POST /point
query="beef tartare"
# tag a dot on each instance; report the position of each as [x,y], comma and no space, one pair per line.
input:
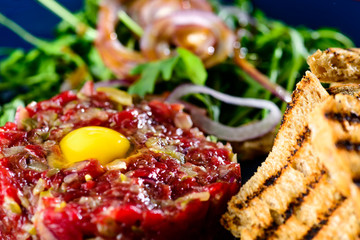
[92,165]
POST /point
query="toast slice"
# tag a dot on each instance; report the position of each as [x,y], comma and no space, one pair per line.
[336,65]
[335,127]
[338,120]
[275,185]
[294,194]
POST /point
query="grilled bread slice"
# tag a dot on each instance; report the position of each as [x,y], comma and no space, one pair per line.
[339,118]
[282,178]
[303,198]
[335,127]
[336,65]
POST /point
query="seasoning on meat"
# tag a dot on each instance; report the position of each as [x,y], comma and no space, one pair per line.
[169,182]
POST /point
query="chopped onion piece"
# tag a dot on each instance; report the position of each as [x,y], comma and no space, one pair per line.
[202,196]
[13,150]
[39,187]
[183,121]
[118,164]
[37,166]
[236,134]
[20,116]
[10,206]
[116,95]
[70,178]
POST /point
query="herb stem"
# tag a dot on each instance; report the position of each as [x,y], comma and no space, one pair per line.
[326,33]
[21,32]
[130,23]
[255,74]
[274,71]
[68,17]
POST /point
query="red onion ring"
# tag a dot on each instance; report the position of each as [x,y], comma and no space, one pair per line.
[115,56]
[235,134]
[202,33]
[145,12]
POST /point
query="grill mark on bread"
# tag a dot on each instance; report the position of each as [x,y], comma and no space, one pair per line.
[352,89]
[272,179]
[271,229]
[268,182]
[314,230]
[342,117]
[299,200]
[348,145]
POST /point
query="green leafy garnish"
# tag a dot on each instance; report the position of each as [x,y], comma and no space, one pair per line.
[192,66]
[183,66]
[274,48]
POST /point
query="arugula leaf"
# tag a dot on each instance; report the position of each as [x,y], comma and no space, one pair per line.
[168,67]
[149,75]
[184,66]
[192,66]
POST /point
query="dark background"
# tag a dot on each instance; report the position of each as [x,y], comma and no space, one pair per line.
[340,14]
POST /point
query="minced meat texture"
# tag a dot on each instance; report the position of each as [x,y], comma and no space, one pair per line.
[174,184]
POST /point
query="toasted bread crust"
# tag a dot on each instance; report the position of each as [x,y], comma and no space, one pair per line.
[297,193]
[336,65]
[308,93]
[338,120]
[249,214]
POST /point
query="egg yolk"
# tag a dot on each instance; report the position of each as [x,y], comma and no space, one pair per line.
[103,144]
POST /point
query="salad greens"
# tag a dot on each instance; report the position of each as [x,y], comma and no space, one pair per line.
[277,50]
[183,66]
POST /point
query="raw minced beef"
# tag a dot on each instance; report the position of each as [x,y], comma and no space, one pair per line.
[173,184]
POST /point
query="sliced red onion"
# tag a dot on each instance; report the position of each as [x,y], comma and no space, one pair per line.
[201,32]
[236,134]
[113,83]
[145,12]
[115,56]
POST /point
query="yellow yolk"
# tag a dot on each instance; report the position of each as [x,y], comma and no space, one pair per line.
[103,144]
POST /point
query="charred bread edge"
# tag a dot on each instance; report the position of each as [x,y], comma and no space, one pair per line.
[309,93]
